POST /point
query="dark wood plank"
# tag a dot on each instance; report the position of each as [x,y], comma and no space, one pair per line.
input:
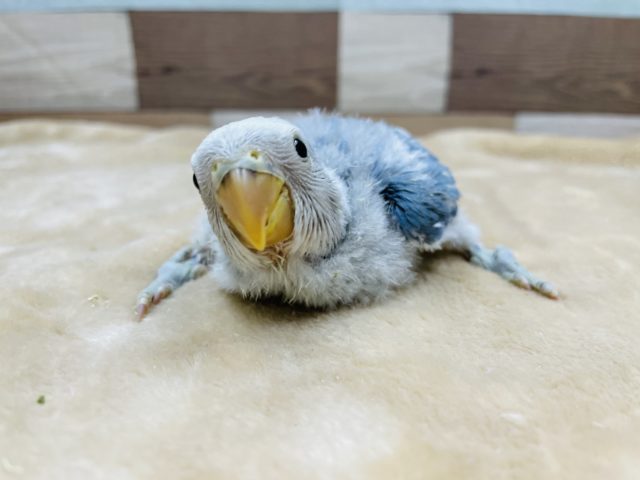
[235,59]
[419,125]
[545,63]
[149,118]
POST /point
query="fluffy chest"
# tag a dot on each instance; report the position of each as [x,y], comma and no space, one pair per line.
[371,260]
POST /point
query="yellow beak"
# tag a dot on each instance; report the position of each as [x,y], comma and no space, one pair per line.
[257,206]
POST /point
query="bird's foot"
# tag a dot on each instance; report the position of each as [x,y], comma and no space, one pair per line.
[187,264]
[502,262]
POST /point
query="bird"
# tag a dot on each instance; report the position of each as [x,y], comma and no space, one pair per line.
[323,210]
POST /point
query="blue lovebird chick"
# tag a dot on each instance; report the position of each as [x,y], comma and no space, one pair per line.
[322,211]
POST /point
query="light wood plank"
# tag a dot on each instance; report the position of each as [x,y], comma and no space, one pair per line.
[416,124]
[74,61]
[393,63]
[222,117]
[579,125]
[421,125]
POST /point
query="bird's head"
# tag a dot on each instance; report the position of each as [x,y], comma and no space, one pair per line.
[265,193]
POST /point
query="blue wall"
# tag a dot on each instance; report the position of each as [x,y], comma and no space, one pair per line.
[598,8]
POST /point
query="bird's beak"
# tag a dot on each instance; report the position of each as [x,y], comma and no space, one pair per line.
[257,206]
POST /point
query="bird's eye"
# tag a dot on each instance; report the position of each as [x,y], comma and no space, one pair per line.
[301,148]
[195,182]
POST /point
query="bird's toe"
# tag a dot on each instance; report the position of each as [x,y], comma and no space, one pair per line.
[520,281]
[162,292]
[547,289]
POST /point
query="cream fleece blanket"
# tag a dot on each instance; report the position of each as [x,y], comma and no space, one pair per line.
[461,375]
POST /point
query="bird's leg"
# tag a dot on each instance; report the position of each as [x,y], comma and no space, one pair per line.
[186,264]
[502,262]
[462,236]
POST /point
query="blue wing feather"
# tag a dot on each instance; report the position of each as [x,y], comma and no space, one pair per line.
[420,193]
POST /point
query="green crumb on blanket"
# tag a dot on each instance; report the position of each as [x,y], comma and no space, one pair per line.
[41,400]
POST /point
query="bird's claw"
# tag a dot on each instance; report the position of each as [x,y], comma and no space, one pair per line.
[161,293]
[151,296]
[548,290]
[143,306]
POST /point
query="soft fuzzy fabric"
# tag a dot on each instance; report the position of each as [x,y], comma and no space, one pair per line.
[460,375]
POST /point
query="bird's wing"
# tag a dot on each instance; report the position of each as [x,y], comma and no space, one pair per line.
[420,193]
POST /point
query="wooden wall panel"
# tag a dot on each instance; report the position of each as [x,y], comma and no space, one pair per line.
[235,59]
[66,61]
[548,63]
[578,124]
[393,63]
[149,118]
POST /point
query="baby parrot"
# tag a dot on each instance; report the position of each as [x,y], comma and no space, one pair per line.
[323,211]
